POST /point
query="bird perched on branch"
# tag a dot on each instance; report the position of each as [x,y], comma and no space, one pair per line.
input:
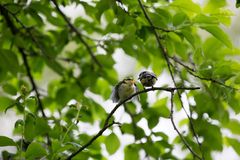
[123,90]
[148,79]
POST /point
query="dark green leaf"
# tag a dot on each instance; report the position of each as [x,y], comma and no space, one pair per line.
[42,126]
[30,127]
[126,128]
[153,121]
[35,151]
[238,3]
[131,152]
[5,103]
[179,19]
[5,141]
[9,61]
[8,88]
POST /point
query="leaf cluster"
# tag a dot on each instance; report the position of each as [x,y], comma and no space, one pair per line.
[56,70]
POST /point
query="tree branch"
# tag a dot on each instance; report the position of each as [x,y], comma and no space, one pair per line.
[178,132]
[14,31]
[79,34]
[107,124]
[165,55]
[191,71]
[134,125]
[41,48]
[175,59]
[91,140]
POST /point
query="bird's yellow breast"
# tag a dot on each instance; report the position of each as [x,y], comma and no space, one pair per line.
[125,90]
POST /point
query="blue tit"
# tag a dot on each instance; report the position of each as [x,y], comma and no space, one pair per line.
[148,79]
[123,90]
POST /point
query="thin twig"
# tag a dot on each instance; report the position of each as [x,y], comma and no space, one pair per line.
[134,125]
[14,31]
[79,34]
[106,123]
[212,80]
[192,72]
[178,132]
[181,63]
[91,141]
[41,48]
[165,55]
[164,29]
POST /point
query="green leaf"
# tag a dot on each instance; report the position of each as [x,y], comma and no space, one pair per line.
[235,144]
[160,20]
[238,3]
[151,149]
[30,127]
[127,128]
[211,48]
[160,107]
[55,66]
[179,19]
[211,133]
[9,61]
[8,88]
[102,59]
[56,145]
[31,103]
[184,122]
[139,133]
[112,143]
[219,34]
[102,6]
[102,87]
[206,69]
[42,126]
[35,151]
[5,103]
[189,37]
[187,5]
[161,134]
[5,141]
[131,152]
[205,20]
[153,121]
[233,126]
[213,5]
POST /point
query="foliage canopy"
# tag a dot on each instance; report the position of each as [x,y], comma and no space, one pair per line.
[49,61]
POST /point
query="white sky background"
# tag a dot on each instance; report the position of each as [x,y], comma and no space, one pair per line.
[122,60]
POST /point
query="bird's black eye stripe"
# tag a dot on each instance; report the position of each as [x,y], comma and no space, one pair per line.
[124,82]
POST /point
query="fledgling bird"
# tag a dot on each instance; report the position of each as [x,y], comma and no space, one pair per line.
[148,79]
[123,89]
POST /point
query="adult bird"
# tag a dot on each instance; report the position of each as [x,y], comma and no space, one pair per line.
[123,90]
[148,79]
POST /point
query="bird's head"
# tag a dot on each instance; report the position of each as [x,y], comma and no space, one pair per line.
[129,81]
